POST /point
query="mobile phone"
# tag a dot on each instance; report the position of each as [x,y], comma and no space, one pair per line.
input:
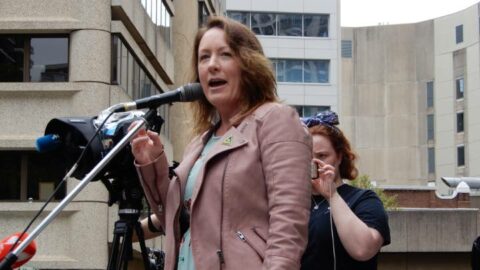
[313,170]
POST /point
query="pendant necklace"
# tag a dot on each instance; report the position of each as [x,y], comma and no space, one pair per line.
[317,205]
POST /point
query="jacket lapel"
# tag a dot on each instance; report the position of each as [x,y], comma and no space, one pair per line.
[189,160]
[231,140]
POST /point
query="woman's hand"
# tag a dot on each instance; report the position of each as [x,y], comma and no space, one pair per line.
[324,184]
[146,146]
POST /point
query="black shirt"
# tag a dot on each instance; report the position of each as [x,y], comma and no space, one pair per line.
[319,254]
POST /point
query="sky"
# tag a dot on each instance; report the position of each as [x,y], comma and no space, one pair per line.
[375,12]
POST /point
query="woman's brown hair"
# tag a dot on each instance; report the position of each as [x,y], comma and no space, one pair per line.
[257,80]
[342,147]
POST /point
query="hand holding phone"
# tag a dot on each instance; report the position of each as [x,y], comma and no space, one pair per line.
[313,170]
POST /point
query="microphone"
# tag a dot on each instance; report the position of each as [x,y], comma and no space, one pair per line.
[48,143]
[186,93]
[5,247]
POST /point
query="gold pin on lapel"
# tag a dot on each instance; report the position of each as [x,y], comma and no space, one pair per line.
[227,141]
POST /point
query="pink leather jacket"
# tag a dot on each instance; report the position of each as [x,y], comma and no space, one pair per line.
[251,202]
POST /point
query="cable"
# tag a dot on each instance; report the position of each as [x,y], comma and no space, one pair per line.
[65,178]
[331,232]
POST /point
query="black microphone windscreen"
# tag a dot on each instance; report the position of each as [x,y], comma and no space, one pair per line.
[192,92]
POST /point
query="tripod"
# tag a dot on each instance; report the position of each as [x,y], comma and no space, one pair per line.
[122,251]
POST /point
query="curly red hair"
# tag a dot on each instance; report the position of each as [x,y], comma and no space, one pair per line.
[342,147]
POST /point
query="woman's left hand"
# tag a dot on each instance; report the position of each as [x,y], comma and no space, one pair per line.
[324,184]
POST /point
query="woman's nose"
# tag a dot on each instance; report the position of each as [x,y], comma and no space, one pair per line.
[213,63]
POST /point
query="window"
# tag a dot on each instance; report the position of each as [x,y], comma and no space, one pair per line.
[430,127]
[284,24]
[306,111]
[460,155]
[264,24]
[346,48]
[315,25]
[459,33]
[47,59]
[28,174]
[316,71]
[307,71]
[289,70]
[129,74]
[460,123]
[160,16]
[202,13]
[460,88]
[241,17]
[290,25]
[429,94]
[431,160]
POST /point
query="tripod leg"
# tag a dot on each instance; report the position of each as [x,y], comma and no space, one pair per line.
[143,247]
[120,250]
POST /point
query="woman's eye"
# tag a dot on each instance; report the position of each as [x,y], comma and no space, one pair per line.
[203,57]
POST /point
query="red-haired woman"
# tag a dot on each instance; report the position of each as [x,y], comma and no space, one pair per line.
[348,225]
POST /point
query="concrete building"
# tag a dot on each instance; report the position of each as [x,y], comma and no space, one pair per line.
[409,96]
[302,38]
[76,58]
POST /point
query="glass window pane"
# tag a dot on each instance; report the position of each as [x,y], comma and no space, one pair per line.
[429,94]
[280,70]
[138,80]
[294,70]
[10,162]
[116,59]
[460,87]
[316,71]
[11,58]
[315,25]
[274,66]
[460,122]
[264,24]
[431,160]
[49,59]
[460,155]
[289,25]
[430,127]
[241,17]
[43,176]
[314,110]
[146,87]
[459,33]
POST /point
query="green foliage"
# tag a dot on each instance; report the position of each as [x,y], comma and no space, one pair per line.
[363,181]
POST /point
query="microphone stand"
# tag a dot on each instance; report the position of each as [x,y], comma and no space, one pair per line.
[12,257]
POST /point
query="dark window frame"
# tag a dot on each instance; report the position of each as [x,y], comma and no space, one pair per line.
[430,94]
[459,33]
[460,88]
[460,122]
[461,155]
[431,160]
[430,127]
[27,38]
[32,169]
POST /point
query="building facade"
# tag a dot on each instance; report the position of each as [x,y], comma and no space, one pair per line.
[409,96]
[302,40]
[76,58]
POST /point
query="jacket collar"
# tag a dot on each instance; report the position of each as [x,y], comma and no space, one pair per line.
[232,139]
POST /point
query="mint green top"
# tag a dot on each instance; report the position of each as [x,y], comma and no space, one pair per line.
[185,258]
